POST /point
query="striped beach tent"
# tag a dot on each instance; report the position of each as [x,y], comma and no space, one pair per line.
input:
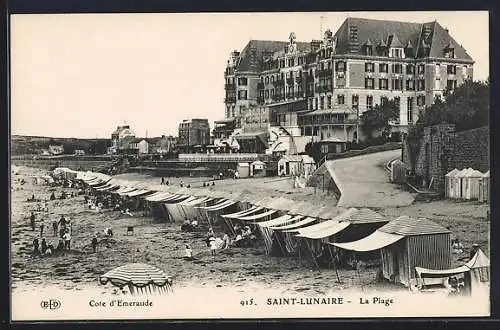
[141,279]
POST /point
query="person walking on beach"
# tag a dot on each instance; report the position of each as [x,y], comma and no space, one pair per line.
[67,240]
[54,227]
[32,221]
[36,246]
[162,180]
[44,246]
[94,244]
[42,226]
[213,245]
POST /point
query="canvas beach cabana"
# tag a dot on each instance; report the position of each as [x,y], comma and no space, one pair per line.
[484,188]
[139,279]
[476,275]
[406,243]
[451,184]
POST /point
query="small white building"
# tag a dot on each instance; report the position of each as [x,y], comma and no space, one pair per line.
[79,152]
[301,165]
[143,146]
[56,149]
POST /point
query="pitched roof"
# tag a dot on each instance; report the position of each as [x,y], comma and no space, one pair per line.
[418,35]
[395,42]
[377,31]
[262,47]
[407,226]
[365,215]
[440,40]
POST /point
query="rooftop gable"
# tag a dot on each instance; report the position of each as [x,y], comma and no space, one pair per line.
[407,226]
[263,47]
[441,39]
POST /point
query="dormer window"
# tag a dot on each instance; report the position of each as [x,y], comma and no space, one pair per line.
[449,50]
[396,47]
[397,53]
[368,47]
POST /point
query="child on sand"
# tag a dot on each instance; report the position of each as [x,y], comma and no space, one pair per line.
[94,243]
[213,245]
[188,253]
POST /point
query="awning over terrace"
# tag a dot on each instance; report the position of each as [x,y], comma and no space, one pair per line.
[326,232]
[218,206]
[138,192]
[257,216]
[435,273]
[126,191]
[153,196]
[375,241]
[294,225]
[199,201]
[314,228]
[173,198]
[276,222]
[251,210]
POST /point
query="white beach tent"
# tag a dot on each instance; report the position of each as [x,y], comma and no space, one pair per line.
[472,179]
[484,188]
[476,271]
[460,181]
[450,183]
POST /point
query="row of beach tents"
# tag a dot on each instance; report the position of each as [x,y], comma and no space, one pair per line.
[289,227]
[468,184]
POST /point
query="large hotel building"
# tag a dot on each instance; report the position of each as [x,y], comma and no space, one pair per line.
[281,95]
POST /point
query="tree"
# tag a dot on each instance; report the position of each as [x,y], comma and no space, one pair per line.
[313,149]
[467,107]
[380,118]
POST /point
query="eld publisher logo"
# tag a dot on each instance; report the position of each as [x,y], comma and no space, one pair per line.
[50,304]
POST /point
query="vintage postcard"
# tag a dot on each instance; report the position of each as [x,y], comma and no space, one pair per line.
[249,165]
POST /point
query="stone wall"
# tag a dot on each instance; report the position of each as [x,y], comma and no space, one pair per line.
[441,149]
[472,149]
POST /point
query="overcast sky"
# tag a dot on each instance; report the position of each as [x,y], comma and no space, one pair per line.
[82,75]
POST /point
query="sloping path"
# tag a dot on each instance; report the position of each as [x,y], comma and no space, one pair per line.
[363,181]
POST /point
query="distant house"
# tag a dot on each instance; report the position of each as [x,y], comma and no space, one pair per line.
[162,145]
[143,146]
[56,149]
[45,152]
[79,152]
[290,165]
[121,132]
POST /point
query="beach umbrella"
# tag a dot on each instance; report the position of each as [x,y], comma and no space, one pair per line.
[141,279]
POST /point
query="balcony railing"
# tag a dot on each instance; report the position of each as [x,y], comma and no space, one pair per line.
[304,121]
[279,82]
[325,73]
[289,81]
[298,80]
[324,88]
[299,94]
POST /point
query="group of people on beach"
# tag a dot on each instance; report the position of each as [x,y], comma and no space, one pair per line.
[61,228]
[241,236]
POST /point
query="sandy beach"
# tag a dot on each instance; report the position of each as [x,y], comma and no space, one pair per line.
[161,244]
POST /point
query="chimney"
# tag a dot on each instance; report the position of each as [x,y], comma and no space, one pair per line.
[446,29]
[315,44]
[253,56]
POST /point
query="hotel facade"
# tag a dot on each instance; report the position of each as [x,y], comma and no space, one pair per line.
[283,95]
